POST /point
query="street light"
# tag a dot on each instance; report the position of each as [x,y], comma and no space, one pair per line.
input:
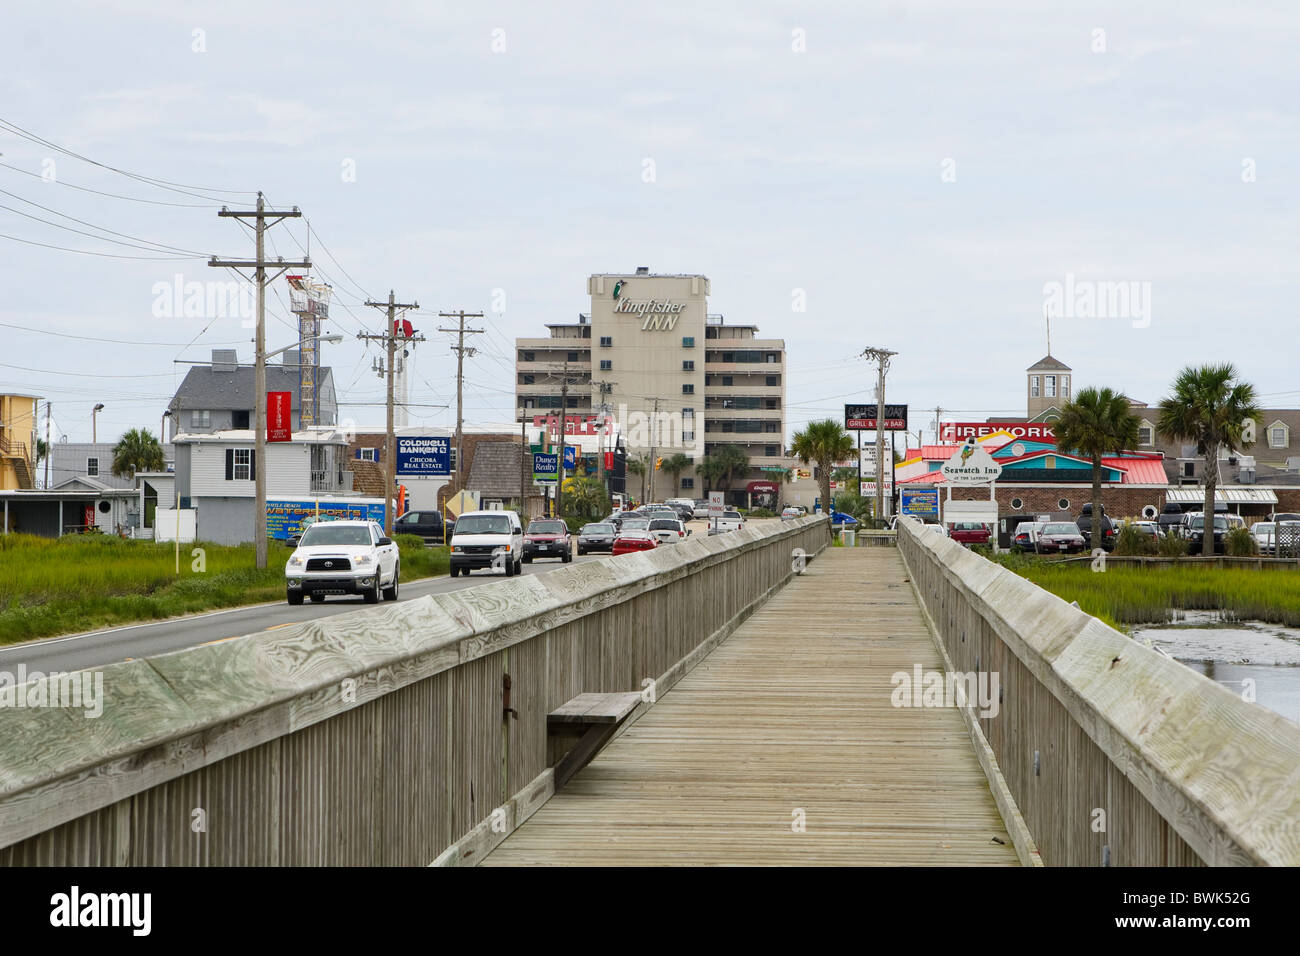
[94,429]
[162,426]
[334,339]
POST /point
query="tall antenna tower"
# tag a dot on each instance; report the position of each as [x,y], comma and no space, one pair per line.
[310,302]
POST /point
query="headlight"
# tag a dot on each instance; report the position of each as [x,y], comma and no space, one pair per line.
[365,559]
[295,561]
[455,548]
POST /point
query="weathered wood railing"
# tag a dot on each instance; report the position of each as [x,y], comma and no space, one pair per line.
[1114,753]
[370,738]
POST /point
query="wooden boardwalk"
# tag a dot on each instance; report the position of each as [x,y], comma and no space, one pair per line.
[789,719]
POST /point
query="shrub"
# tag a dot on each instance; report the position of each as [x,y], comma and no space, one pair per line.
[1240,543]
[1171,545]
[1132,541]
[762,513]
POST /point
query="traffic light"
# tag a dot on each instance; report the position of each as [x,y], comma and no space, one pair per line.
[659,463]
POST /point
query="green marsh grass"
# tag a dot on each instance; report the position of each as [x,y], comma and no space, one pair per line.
[77,583]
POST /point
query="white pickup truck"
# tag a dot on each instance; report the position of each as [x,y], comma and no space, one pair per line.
[343,557]
[729,520]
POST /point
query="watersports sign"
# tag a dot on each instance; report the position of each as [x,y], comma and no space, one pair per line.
[424,457]
[960,431]
[863,418]
[284,518]
[970,465]
[921,502]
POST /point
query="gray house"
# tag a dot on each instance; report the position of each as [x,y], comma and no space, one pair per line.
[94,460]
[219,397]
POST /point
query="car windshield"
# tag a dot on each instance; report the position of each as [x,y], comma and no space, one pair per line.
[597,529]
[1220,524]
[1263,526]
[636,524]
[548,527]
[333,534]
[1061,529]
[483,524]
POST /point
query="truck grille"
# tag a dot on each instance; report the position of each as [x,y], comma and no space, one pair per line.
[329,564]
[479,548]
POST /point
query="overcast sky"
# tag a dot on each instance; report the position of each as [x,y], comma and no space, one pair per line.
[916,173]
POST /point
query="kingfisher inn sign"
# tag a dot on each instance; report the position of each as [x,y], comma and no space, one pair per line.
[658,316]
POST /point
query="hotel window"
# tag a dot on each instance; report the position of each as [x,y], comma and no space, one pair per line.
[774,380]
[527,357]
[726,380]
[1033,386]
[92,467]
[1065,386]
[688,389]
[688,482]
[606,341]
[688,436]
[688,341]
[606,365]
[728,356]
[1049,385]
[688,366]
[1277,437]
[688,413]
[571,356]
[771,451]
[528,379]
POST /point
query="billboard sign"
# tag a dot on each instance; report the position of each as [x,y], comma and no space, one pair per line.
[953,432]
[279,416]
[970,465]
[575,424]
[424,457]
[921,502]
[863,418]
[546,468]
[284,518]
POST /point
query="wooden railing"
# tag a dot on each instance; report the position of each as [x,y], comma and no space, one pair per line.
[1115,754]
[399,736]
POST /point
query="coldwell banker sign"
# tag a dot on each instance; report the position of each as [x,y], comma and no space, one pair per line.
[424,457]
[863,418]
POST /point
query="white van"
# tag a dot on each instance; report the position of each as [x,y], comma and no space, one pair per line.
[487,539]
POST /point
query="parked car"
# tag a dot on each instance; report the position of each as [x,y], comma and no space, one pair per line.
[1150,529]
[1193,529]
[1060,537]
[685,507]
[633,541]
[701,508]
[547,538]
[343,557]
[790,513]
[427,524]
[597,536]
[1026,535]
[634,523]
[970,532]
[1171,517]
[1265,536]
[668,530]
[1084,524]
[487,539]
[730,520]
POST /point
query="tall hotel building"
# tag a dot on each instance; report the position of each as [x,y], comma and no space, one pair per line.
[674,377]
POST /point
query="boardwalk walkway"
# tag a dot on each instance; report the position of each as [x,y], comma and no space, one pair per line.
[790,718]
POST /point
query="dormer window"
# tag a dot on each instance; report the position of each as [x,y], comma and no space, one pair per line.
[1279,435]
[1146,433]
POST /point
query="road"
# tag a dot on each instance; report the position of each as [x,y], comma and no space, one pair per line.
[133,641]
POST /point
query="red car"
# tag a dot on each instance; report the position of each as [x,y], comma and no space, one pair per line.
[630,542]
[1060,537]
[970,532]
[547,538]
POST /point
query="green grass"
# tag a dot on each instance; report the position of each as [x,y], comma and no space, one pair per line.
[82,582]
[1127,595]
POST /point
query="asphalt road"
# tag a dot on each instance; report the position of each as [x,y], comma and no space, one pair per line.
[132,641]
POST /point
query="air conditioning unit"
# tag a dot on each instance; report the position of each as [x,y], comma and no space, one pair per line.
[1246,476]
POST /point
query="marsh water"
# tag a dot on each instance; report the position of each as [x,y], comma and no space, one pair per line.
[1234,652]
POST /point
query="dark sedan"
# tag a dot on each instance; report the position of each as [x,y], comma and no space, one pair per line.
[1060,537]
[598,536]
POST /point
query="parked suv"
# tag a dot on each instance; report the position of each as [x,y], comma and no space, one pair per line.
[487,539]
[427,524]
[547,538]
[1171,517]
[1084,523]
[1193,529]
[343,557]
[970,532]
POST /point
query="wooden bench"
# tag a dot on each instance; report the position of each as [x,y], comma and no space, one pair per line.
[578,730]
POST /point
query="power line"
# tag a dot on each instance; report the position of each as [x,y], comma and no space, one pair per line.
[100,192]
[104,255]
[161,245]
[91,338]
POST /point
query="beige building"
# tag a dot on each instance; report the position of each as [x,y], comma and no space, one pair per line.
[674,377]
[1047,388]
[18,435]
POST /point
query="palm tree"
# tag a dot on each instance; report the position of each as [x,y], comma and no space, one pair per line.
[822,443]
[1098,422]
[137,450]
[636,465]
[674,465]
[1211,407]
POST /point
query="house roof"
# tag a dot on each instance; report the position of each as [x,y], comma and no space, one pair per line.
[495,470]
[313,436]
[205,388]
[1049,363]
[1139,471]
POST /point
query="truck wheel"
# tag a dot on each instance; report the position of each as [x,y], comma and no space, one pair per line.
[295,597]
[372,595]
[390,593]
[510,568]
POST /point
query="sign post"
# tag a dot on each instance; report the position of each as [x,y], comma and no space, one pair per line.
[717,505]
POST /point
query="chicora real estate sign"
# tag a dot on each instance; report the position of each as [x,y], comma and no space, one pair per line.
[419,456]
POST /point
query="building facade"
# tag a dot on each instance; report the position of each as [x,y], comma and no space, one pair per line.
[18,434]
[219,397]
[676,378]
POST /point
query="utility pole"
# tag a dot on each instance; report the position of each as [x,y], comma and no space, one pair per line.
[605,389]
[48,449]
[389,338]
[460,350]
[654,441]
[559,466]
[523,468]
[259,266]
[937,412]
[882,357]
